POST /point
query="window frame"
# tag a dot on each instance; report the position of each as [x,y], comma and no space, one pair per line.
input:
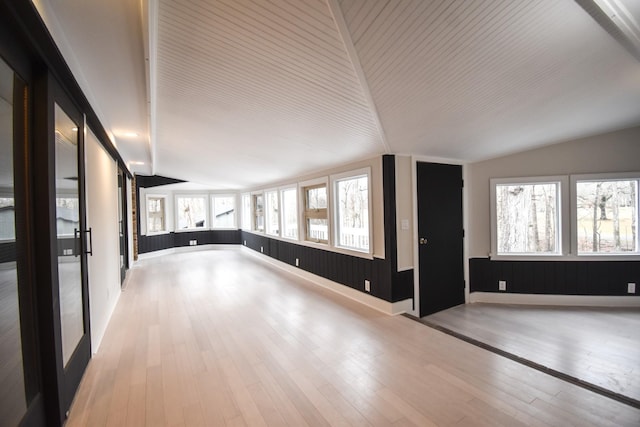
[282,190]
[563,231]
[212,198]
[335,180]
[267,214]
[602,256]
[255,212]
[205,197]
[306,213]
[164,214]
[247,211]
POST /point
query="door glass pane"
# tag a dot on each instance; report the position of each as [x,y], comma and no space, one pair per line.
[68,233]
[12,393]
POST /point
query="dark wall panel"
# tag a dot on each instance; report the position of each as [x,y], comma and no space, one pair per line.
[8,251]
[340,268]
[174,240]
[602,278]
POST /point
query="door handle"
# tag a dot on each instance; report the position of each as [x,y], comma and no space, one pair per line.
[90,245]
[423,240]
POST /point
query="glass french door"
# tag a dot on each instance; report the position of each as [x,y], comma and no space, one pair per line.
[73,243]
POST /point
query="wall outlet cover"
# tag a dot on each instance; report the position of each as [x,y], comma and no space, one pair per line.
[502,285]
[631,288]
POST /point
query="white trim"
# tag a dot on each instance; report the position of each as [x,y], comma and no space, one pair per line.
[563,236]
[205,196]
[416,253]
[302,228]
[144,228]
[378,304]
[556,300]
[345,176]
[212,212]
[281,190]
[321,246]
[267,216]
[603,256]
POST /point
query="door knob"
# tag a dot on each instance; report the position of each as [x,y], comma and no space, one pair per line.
[423,240]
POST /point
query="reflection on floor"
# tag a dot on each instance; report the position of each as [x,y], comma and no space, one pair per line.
[600,346]
[71,313]
[12,399]
[221,338]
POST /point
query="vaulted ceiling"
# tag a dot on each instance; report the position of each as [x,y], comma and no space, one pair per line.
[237,93]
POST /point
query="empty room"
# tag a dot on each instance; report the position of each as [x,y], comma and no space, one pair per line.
[319,212]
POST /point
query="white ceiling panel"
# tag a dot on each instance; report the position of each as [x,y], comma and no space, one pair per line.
[470,80]
[250,92]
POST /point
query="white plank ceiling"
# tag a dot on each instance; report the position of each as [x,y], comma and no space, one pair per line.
[244,93]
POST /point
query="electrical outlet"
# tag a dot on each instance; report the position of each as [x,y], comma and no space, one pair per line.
[502,285]
[631,288]
[245,243]
[195,243]
[367,285]
[261,249]
[297,262]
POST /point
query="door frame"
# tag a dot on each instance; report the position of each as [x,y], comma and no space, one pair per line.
[465,223]
[59,382]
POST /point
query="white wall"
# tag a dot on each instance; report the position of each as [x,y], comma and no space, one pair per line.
[612,152]
[102,218]
[404,211]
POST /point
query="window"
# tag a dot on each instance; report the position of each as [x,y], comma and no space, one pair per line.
[272,213]
[315,213]
[156,222]
[526,216]
[67,215]
[246,212]
[191,212]
[223,210]
[289,213]
[7,223]
[352,212]
[258,212]
[605,212]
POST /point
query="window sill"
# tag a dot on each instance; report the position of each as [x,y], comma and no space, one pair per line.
[568,257]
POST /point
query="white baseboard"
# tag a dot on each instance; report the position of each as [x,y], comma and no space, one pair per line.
[182,249]
[386,307]
[566,300]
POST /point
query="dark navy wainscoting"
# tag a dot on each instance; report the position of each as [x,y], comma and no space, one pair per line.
[173,240]
[8,251]
[601,278]
[345,269]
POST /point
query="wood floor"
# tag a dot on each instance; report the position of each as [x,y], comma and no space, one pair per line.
[598,345]
[220,338]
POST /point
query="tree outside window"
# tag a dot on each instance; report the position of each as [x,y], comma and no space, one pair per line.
[258,212]
[315,214]
[353,213]
[191,212]
[289,213]
[155,214]
[272,210]
[607,215]
[527,217]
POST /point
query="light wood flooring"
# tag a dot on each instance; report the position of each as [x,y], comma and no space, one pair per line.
[598,345]
[221,338]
